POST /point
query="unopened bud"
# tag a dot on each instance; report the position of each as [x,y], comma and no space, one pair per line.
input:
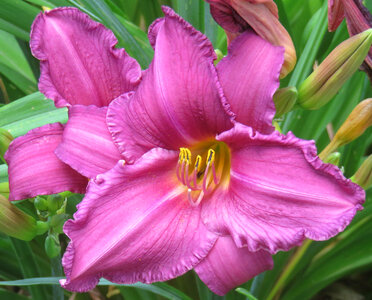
[332,73]
[42,227]
[356,123]
[41,203]
[354,126]
[284,100]
[14,222]
[363,176]
[52,245]
[5,139]
[54,203]
[333,158]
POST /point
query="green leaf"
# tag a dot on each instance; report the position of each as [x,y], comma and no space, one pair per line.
[151,10]
[12,59]
[27,263]
[30,112]
[246,293]
[7,295]
[210,26]
[307,59]
[130,293]
[159,288]
[42,3]
[192,11]
[263,283]
[340,262]
[19,14]
[14,29]
[3,173]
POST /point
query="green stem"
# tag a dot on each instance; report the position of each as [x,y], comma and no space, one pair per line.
[288,269]
[57,272]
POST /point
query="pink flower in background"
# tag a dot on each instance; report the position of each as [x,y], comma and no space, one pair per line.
[80,69]
[236,16]
[358,19]
[208,185]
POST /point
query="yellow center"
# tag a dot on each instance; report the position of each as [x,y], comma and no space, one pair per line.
[202,168]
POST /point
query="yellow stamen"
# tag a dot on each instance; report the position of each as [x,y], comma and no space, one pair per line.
[198,163]
[187,155]
[211,163]
[211,155]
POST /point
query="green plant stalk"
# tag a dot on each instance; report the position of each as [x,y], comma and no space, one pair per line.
[57,271]
[29,268]
[279,285]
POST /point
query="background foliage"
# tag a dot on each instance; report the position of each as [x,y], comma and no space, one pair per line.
[340,267]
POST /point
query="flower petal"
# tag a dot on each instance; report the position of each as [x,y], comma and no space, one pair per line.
[87,145]
[179,101]
[135,224]
[279,193]
[227,266]
[237,16]
[249,79]
[35,170]
[335,14]
[79,61]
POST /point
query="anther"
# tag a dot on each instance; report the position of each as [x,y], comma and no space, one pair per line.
[198,163]
[210,156]
[187,155]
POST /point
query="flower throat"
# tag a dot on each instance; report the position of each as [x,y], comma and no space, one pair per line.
[203,168]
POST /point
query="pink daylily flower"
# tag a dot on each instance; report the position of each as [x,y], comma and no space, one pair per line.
[80,69]
[207,184]
[358,19]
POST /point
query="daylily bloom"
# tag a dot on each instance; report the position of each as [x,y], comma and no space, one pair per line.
[207,184]
[80,69]
[358,19]
[236,16]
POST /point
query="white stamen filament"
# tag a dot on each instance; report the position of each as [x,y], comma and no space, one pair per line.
[191,180]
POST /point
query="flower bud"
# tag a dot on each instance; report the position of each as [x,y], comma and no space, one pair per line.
[260,15]
[52,245]
[356,123]
[354,126]
[332,73]
[14,222]
[333,158]
[5,139]
[284,100]
[41,203]
[363,176]
[54,203]
[42,227]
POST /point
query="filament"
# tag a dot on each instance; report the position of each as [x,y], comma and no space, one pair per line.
[199,178]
